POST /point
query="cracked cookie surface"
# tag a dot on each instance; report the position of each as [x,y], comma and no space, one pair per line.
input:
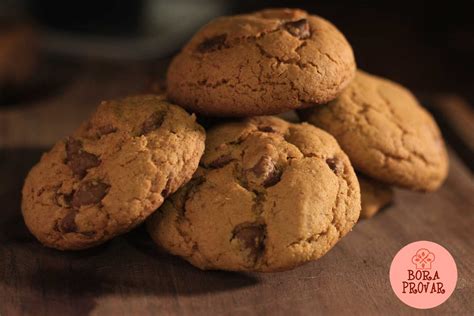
[265,62]
[268,196]
[374,196]
[385,132]
[112,173]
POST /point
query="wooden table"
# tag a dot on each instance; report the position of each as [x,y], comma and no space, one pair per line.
[128,276]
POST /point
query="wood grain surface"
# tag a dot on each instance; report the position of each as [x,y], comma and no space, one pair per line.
[128,276]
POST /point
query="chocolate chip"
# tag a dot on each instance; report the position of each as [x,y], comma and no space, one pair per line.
[213,43]
[252,237]
[265,164]
[298,28]
[267,129]
[272,179]
[166,190]
[220,162]
[68,223]
[106,129]
[336,165]
[73,146]
[89,233]
[89,192]
[266,169]
[153,122]
[79,160]
[63,200]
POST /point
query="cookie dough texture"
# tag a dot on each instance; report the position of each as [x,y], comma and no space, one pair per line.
[265,62]
[386,133]
[374,196]
[112,173]
[268,196]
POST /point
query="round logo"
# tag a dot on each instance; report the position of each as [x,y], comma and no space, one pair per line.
[423,274]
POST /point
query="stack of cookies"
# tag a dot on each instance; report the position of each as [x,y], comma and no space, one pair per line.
[251,193]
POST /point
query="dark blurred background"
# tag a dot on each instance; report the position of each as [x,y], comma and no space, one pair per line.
[426,45]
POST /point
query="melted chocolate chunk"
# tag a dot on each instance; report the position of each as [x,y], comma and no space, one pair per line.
[63,200]
[267,129]
[273,178]
[166,190]
[267,171]
[89,192]
[79,160]
[220,162]
[298,28]
[68,223]
[336,165]
[106,129]
[212,44]
[153,122]
[89,233]
[252,238]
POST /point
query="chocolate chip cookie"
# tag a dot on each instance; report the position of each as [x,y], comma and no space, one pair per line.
[374,196]
[266,62]
[268,196]
[386,133]
[112,173]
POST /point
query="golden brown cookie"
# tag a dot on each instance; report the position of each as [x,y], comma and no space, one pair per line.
[266,62]
[374,196]
[385,132]
[268,196]
[112,172]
